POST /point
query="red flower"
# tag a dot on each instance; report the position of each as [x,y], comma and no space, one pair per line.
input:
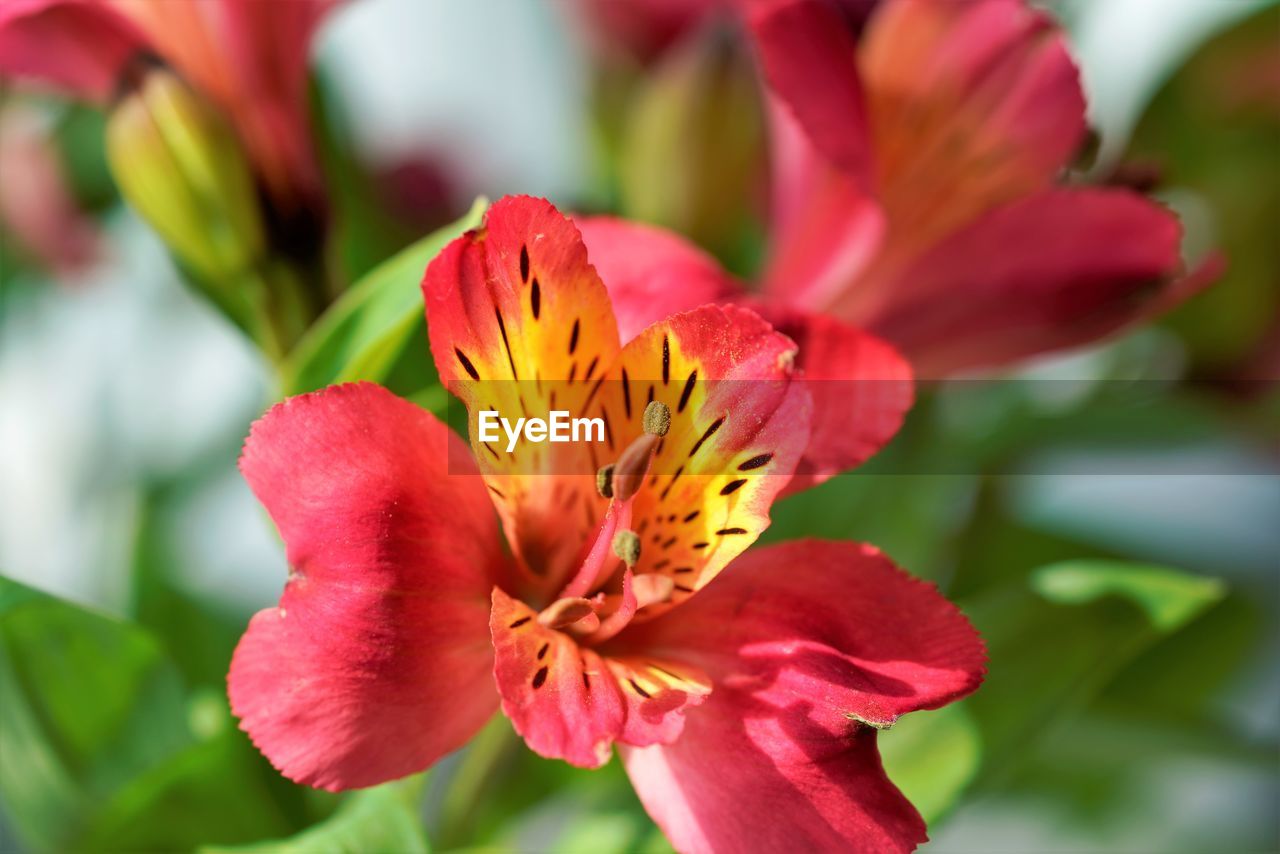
[917,194]
[249,56]
[740,700]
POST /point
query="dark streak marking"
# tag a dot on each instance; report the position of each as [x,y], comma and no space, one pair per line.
[573,372]
[540,677]
[688,390]
[542,653]
[755,462]
[466,364]
[682,570]
[684,589]
[496,491]
[490,449]
[591,369]
[667,489]
[662,563]
[626,393]
[669,543]
[642,692]
[502,327]
[591,394]
[724,532]
[573,336]
[700,546]
[524,263]
[535,299]
[692,516]
[608,429]
[715,425]
[666,359]
[732,486]
[520,622]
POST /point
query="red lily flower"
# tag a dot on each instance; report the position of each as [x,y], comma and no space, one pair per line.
[916,185]
[614,620]
[916,173]
[249,56]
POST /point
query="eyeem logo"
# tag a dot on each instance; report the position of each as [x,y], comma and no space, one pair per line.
[558,427]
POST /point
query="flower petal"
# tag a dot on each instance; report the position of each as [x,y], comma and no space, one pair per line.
[377,661]
[76,45]
[651,273]
[861,387]
[1055,270]
[747,776]
[739,423]
[559,696]
[834,625]
[806,644]
[521,324]
[973,104]
[810,59]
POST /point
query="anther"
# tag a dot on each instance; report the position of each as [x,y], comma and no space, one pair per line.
[657,418]
[604,481]
[565,612]
[626,545]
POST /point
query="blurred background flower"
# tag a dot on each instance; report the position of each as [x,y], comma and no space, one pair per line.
[1106,518]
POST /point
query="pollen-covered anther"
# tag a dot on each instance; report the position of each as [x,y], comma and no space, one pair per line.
[657,418]
[650,588]
[604,481]
[566,612]
[787,360]
[626,545]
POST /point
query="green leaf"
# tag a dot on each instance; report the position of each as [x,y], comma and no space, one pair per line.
[1169,598]
[379,819]
[89,703]
[932,757]
[362,334]
[1057,641]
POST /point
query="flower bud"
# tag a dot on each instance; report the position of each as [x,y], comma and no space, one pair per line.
[183,169]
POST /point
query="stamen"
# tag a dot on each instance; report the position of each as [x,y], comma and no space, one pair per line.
[628,473]
[626,545]
[604,481]
[566,612]
[657,418]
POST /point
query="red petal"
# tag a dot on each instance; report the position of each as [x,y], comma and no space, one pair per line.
[861,388]
[75,45]
[1056,270]
[804,642]
[377,661]
[810,59]
[832,624]
[748,776]
[973,104]
[651,273]
[560,697]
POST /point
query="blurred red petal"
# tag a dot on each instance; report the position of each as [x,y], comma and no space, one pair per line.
[650,273]
[79,46]
[810,58]
[1058,269]
[861,387]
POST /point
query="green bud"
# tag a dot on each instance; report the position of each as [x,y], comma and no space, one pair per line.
[184,170]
